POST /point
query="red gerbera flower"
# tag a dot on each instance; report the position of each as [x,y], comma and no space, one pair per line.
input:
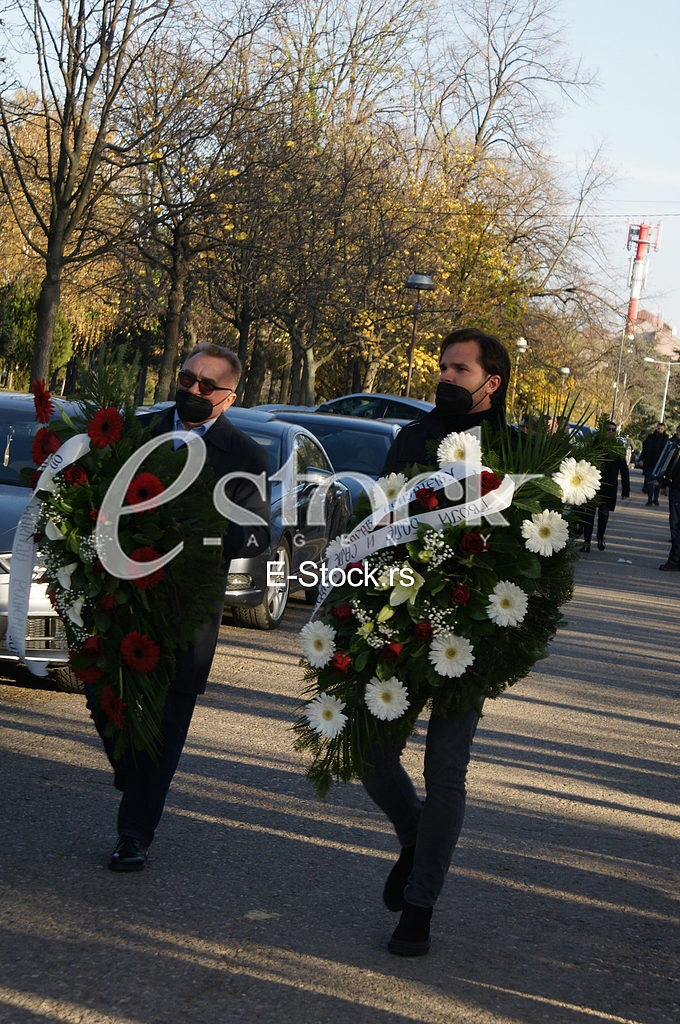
[424,631]
[75,476]
[489,482]
[105,604]
[144,487]
[147,555]
[340,662]
[91,674]
[45,443]
[105,427]
[113,706]
[140,653]
[342,612]
[41,400]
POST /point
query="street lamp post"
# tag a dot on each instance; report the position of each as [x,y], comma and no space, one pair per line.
[521,345]
[422,283]
[662,362]
[564,372]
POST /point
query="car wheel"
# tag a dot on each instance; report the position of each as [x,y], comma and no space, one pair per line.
[268,615]
[65,681]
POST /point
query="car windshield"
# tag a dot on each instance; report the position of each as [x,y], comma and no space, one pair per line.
[272,446]
[15,453]
[354,450]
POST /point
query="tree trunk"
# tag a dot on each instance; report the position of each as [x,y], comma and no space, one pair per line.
[244,325]
[356,377]
[308,376]
[284,393]
[46,309]
[166,373]
[370,377]
[296,371]
[143,370]
[258,365]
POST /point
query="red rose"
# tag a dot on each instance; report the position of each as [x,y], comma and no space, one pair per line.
[427,498]
[391,652]
[113,706]
[144,487]
[460,595]
[41,400]
[472,543]
[489,482]
[98,568]
[34,479]
[105,427]
[340,662]
[105,604]
[423,631]
[91,674]
[45,443]
[75,476]
[342,612]
[147,554]
[93,646]
[355,565]
[139,652]
[93,514]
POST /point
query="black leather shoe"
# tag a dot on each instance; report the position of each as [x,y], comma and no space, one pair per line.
[585,547]
[411,937]
[393,893]
[129,855]
[601,545]
[669,567]
[656,502]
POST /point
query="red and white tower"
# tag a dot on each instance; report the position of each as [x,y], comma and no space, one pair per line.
[639,235]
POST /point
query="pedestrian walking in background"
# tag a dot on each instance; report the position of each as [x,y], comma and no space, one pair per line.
[652,447]
[672,479]
[609,487]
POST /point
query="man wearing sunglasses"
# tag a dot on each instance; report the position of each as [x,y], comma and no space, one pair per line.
[206,387]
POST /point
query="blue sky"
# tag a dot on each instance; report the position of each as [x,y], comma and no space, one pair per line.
[635,113]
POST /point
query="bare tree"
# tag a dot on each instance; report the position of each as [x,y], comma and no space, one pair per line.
[82,54]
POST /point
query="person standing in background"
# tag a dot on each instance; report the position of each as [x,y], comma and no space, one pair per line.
[652,447]
[609,487]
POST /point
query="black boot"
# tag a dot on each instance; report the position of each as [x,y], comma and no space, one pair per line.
[601,544]
[129,855]
[393,893]
[411,937]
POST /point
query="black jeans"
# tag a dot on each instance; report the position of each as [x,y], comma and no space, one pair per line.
[674,521]
[434,825]
[144,784]
[588,519]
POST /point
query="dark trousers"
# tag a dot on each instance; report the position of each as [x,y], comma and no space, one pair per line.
[651,488]
[144,784]
[674,520]
[434,825]
[588,520]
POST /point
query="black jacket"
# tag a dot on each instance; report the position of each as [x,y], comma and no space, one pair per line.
[652,447]
[228,450]
[609,485]
[410,444]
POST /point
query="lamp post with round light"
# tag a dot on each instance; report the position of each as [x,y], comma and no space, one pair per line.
[662,362]
[521,347]
[422,283]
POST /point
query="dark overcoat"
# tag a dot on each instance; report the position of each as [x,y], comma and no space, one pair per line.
[609,484]
[228,450]
[411,443]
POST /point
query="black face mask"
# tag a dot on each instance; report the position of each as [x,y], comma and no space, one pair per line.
[193,408]
[453,401]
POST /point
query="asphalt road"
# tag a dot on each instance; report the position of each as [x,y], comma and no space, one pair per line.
[262,903]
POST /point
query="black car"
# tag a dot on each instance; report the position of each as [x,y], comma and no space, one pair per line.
[252,600]
[378,407]
[354,446]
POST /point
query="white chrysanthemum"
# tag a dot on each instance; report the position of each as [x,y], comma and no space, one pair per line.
[65,573]
[325,716]
[451,654]
[460,447]
[75,610]
[386,700]
[52,531]
[387,489]
[545,533]
[578,481]
[507,604]
[318,643]
[334,546]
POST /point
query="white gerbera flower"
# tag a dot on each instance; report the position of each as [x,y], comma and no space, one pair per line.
[386,700]
[578,481]
[460,447]
[65,573]
[334,546]
[387,489]
[75,610]
[507,604]
[318,643]
[451,654]
[324,714]
[52,531]
[545,533]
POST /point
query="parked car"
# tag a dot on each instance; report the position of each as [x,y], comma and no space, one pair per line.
[378,407]
[353,445]
[252,602]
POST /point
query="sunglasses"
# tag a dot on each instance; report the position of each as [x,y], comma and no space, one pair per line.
[206,388]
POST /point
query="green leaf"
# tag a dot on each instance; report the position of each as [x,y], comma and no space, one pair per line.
[361,661]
